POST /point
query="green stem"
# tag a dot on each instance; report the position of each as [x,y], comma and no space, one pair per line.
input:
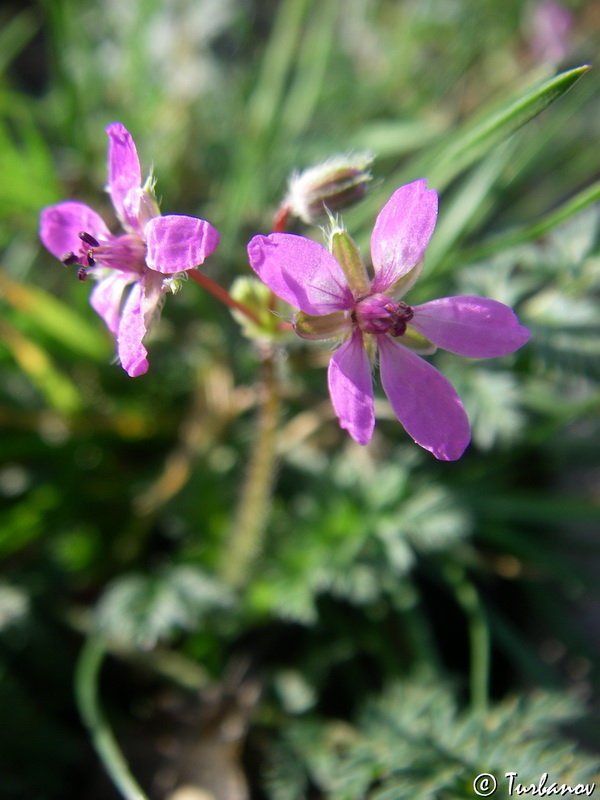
[86,693]
[479,637]
[252,512]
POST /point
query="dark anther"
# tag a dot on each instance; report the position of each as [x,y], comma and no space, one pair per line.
[68,259]
[90,260]
[89,239]
[398,328]
[401,317]
[405,310]
[82,274]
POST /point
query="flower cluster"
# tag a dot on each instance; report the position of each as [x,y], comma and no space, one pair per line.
[146,259]
[335,295]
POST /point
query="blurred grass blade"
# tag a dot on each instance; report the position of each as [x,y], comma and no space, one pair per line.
[479,138]
[466,204]
[392,138]
[311,68]
[56,319]
[59,391]
[28,172]
[255,147]
[277,63]
[527,233]
[15,35]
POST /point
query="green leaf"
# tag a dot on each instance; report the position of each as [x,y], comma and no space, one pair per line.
[480,137]
[459,211]
[414,741]
[526,233]
[140,610]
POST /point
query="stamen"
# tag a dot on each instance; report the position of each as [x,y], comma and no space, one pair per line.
[400,319]
[69,258]
[379,314]
[89,239]
[82,274]
[90,258]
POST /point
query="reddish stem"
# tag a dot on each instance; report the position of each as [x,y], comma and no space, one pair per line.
[280,221]
[281,218]
[222,294]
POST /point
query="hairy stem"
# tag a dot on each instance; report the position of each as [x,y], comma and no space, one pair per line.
[252,513]
[105,744]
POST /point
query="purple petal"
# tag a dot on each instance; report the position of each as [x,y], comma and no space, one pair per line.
[124,173]
[153,297]
[399,288]
[60,226]
[301,272]
[470,326]
[424,401]
[351,389]
[402,232]
[177,243]
[132,330]
[139,311]
[107,296]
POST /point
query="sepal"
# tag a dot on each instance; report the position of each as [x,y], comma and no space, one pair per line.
[345,251]
[326,326]
[416,342]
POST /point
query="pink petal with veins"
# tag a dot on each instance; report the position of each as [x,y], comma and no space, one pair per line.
[176,243]
[124,172]
[424,401]
[402,232]
[301,272]
[470,326]
[60,226]
[130,336]
[107,297]
[351,389]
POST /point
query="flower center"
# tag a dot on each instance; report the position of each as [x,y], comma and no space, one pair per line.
[127,252]
[379,314]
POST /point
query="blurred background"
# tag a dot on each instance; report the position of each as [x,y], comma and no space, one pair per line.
[405,624]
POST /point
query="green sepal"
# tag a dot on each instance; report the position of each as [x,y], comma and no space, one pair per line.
[345,251]
[400,287]
[326,326]
[412,339]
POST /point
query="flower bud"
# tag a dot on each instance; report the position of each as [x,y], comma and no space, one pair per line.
[335,184]
[258,298]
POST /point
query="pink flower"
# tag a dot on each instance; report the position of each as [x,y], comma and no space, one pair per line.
[549,25]
[336,297]
[135,268]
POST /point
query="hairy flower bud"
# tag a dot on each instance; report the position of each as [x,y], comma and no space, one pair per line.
[335,184]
